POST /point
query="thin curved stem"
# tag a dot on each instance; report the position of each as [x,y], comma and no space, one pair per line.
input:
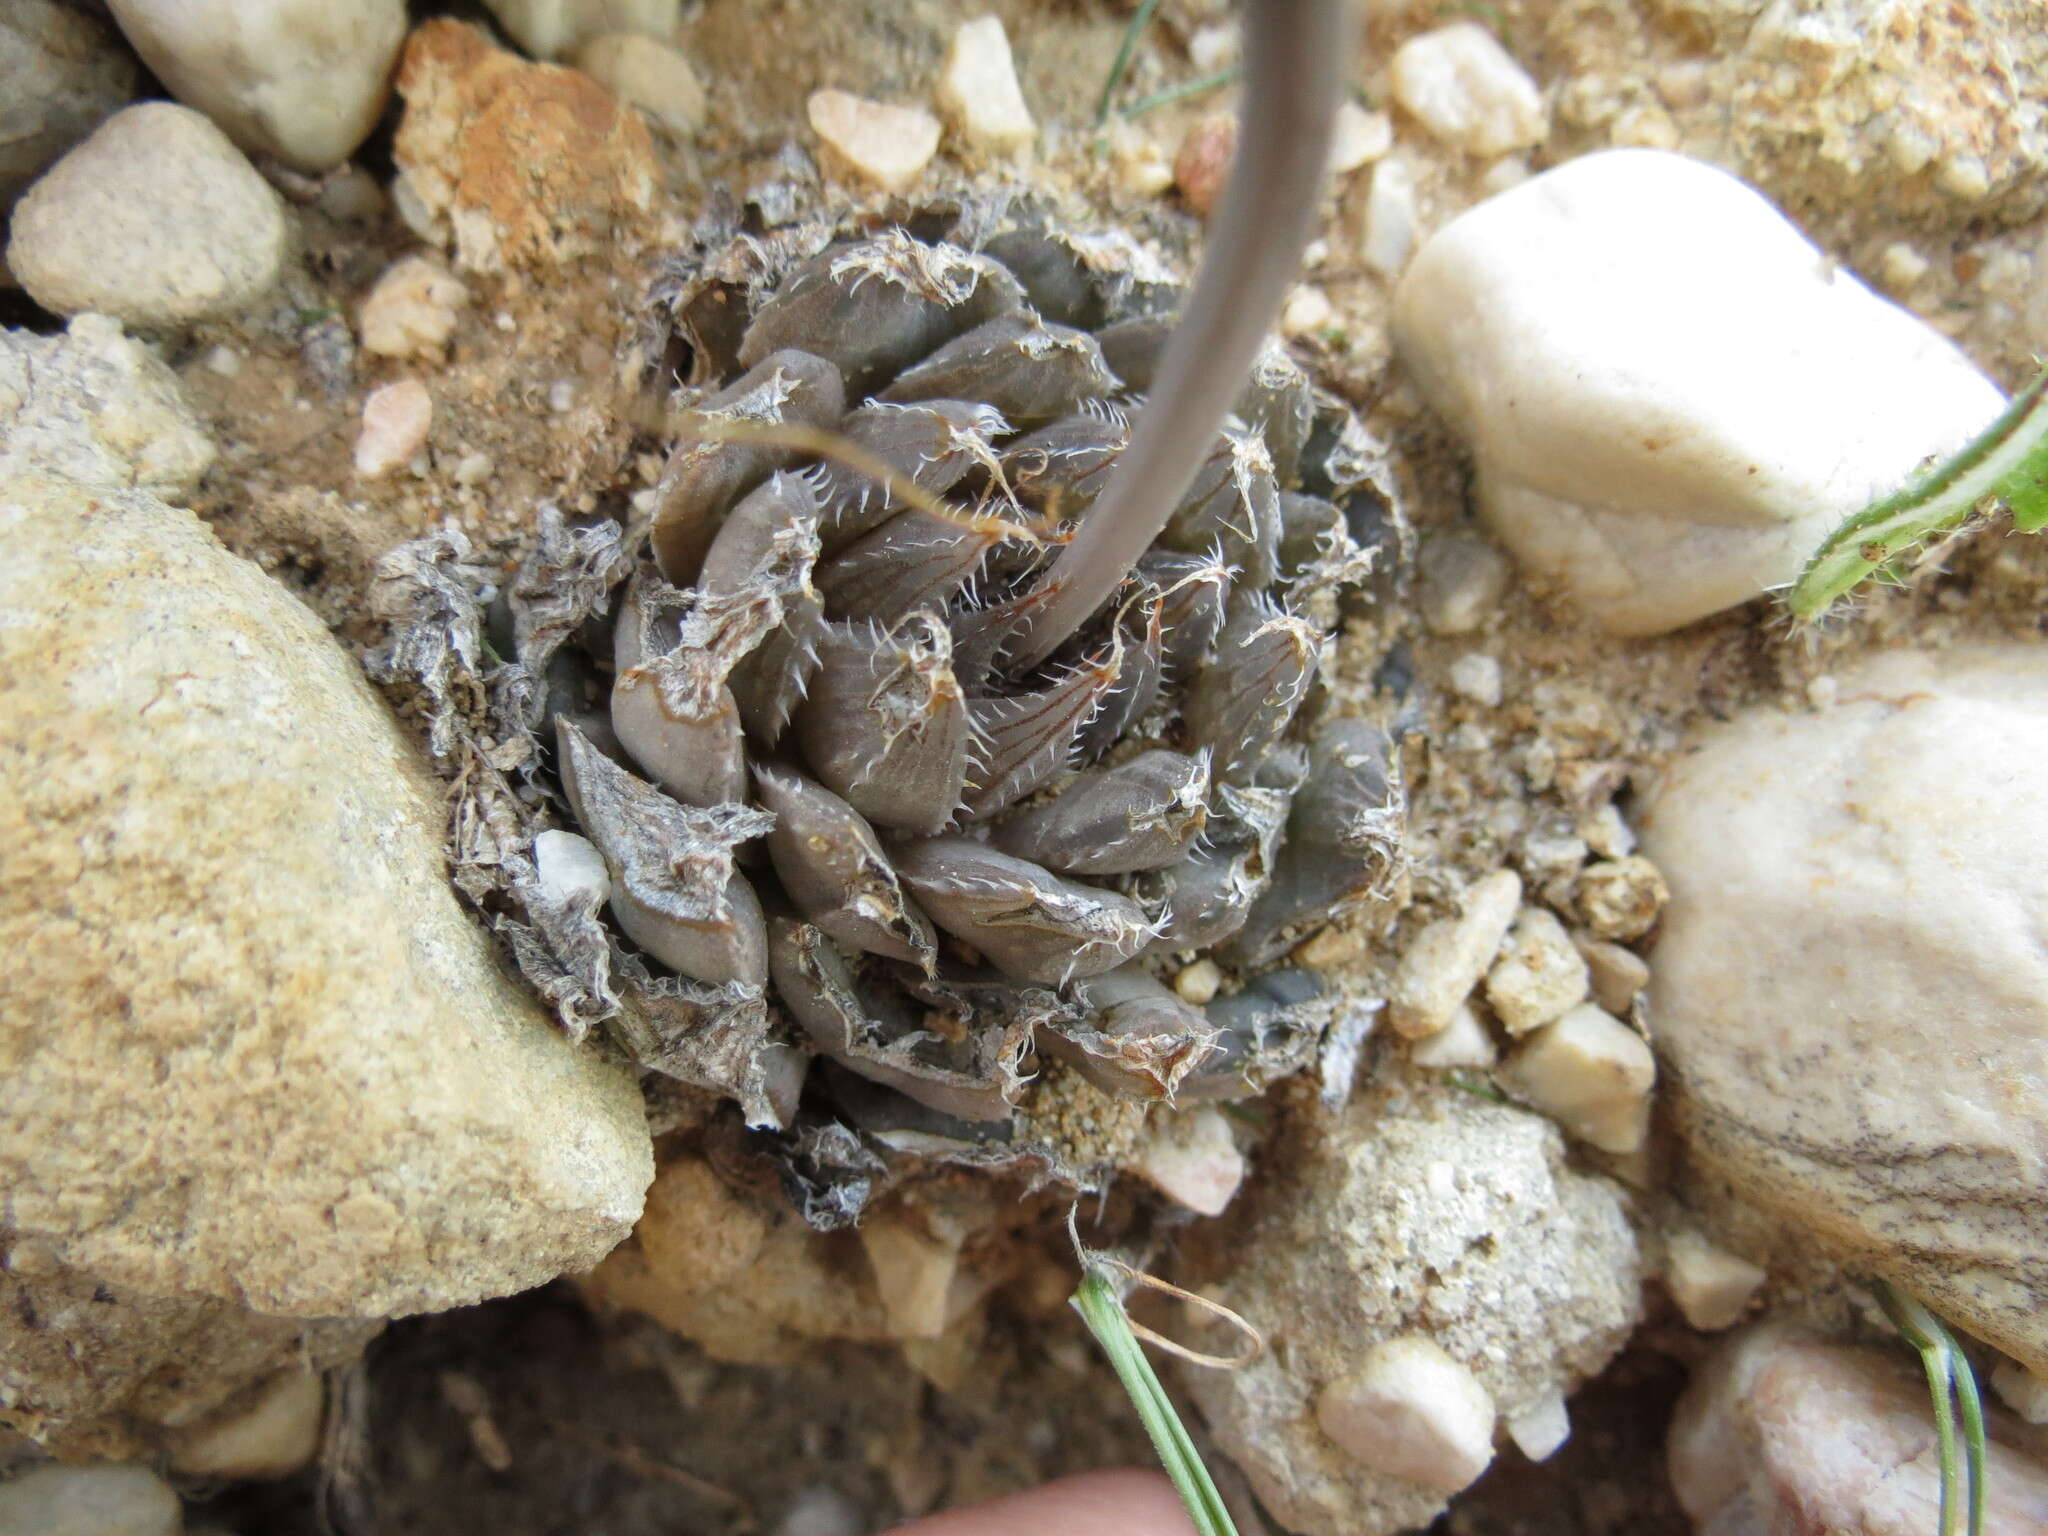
[1295,52]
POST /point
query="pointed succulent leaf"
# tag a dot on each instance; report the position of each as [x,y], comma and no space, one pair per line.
[1278,403]
[1142,814]
[1025,740]
[935,445]
[1030,923]
[874,306]
[1133,347]
[772,679]
[674,889]
[1194,591]
[1141,1040]
[874,1032]
[1245,696]
[1026,368]
[912,561]
[1233,505]
[706,473]
[832,866]
[747,544]
[1142,626]
[885,724]
[1061,467]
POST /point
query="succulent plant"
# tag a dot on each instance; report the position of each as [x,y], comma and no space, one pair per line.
[830,807]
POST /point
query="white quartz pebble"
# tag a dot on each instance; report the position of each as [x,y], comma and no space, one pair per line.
[1359,138]
[887,145]
[1710,1285]
[1540,1428]
[647,73]
[1670,394]
[396,420]
[1540,974]
[302,80]
[548,29]
[978,91]
[1191,1158]
[273,1435]
[412,310]
[1464,1042]
[1466,90]
[1590,1073]
[1445,960]
[1388,237]
[1411,1411]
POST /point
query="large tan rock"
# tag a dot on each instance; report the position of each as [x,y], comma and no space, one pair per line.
[1420,1263]
[1851,986]
[263,1083]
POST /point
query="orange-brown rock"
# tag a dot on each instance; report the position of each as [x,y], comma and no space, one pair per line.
[519,164]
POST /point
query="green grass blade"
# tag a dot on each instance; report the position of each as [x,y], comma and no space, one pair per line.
[2007,461]
[1172,93]
[1139,21]
[1103,1312]
[1948,1371]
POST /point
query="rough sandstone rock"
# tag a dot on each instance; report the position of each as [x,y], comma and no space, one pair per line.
[61,73]
[156,220]
[1670,394]
[301,80]
[1426,1211]
[1850,988]
[263,1083]
[519,164]
[1780,1431]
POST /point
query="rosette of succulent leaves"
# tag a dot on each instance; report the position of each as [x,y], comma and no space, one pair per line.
[780,780]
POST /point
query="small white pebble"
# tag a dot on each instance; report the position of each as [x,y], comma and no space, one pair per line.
[1901,267]
[1462,579]
[223,360]
[412,310]
[1360,138]
[1616,974]
[1316,253]
[1199,982]
[1822,691]
[647,73]
[978,91]
[1476,676]
[1590,1073]
[561,396]
[1388,239]
[643,501]
[352,195]
[1542,1427]
[914,1270]
[2021,1390]
[1191,1158]
[1606,833]
[474,468]
[1503,175]
[1466,90]
[1446,959]
[1464,1042]
[274,1436]
[396,420]
[1411,1411]
[887,145]
[1540,974]
[1140,164]
[1710,1285]
[1215,46]
[503,320]
[822,1511]
[1306,312]
[1621,898]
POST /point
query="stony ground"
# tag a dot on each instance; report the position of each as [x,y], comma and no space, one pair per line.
[529,1415]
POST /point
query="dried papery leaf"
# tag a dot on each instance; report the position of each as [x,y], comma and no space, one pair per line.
[562,948]
[1142,625]
[1142,814]
[874,1032]
[715,1035]
[1026,740]
[1140,1039]
[1194,591]
[904,1125]
[1028,369]
[674,889]
[1278,403]
[833,867]
[885,725]
[876,306]
[1061,467]
[912,561]
[430,593]
[1310,529]
[708,470]
[567,575]
[1206,897]
[1343,840]
[762,532]
[829,1174]
[1030,923]
[1244,697]
[933,446]
[1233,505]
